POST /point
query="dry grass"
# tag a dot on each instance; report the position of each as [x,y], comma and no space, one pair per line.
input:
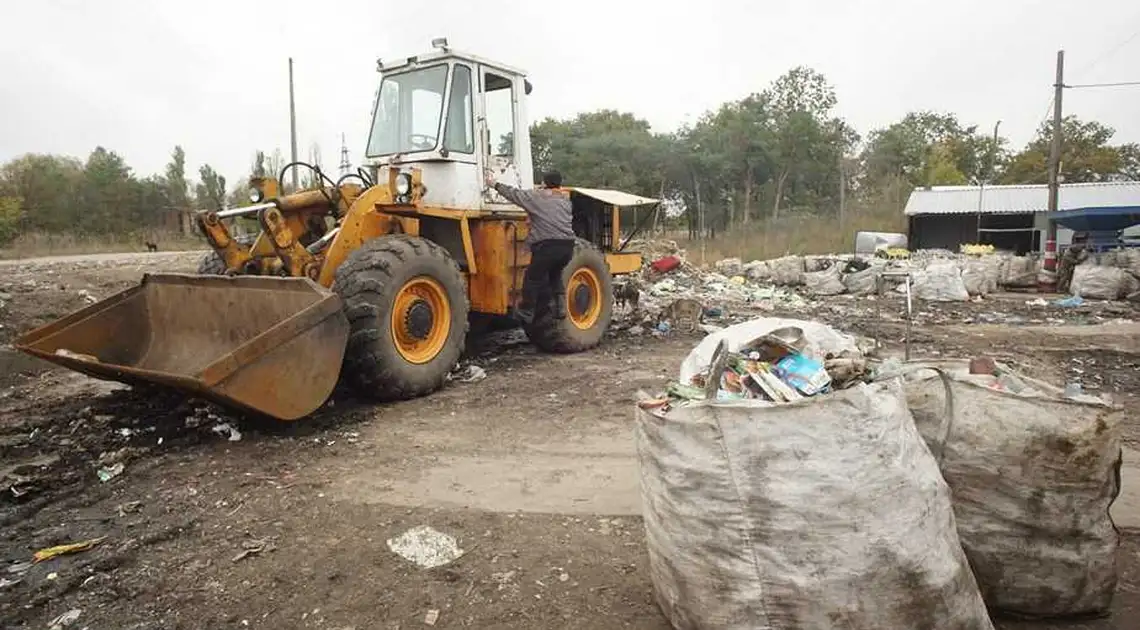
[799,234]
[37,244]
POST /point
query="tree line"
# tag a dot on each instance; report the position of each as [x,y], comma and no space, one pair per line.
[783,151]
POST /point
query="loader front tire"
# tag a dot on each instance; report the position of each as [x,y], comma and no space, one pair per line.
[406,304]
[588,309]
[211,265]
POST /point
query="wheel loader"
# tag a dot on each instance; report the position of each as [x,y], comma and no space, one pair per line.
[369,278]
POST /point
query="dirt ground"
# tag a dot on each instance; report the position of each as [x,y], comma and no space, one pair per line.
[531,469]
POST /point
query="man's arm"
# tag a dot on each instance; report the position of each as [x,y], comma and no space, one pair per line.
[514,195]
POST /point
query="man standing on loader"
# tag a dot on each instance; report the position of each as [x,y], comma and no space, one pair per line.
[550,239]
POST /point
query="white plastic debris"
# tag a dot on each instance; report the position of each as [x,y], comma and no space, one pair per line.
[227,431]
[470,374]
[425,547]
[65,620]
[108,473]
[431,617]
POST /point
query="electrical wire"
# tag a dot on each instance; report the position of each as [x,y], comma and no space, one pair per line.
[1101,85]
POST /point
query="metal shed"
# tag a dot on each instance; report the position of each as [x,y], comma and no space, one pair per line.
[1014,217]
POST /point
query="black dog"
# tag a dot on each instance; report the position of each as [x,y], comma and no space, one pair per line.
[151,247]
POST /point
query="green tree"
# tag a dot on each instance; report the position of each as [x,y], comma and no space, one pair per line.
[177,188]
[108,195]
[48,186]
[10,214]
[1086,155]
[211,190]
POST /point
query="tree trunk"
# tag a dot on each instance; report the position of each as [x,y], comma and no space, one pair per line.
[747,197]
[779,192]
[700,206]
[842,190]
[657,209]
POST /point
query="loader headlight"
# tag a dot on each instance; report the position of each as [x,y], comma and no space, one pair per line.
[403,184]
[255,195]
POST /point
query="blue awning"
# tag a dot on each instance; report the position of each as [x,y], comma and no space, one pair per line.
[1098,219]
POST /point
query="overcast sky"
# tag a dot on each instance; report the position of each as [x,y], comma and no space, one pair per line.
[139,76]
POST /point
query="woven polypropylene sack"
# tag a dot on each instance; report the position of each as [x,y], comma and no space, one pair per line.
[826,282]
[862,282]
[1099,283]
[940,282]
[1033,476]
[787,271]
[978,278]
[826,513]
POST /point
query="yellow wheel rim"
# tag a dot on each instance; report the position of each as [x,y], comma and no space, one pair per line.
[421,319]
[583,298]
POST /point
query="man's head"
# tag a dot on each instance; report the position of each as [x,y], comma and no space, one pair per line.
[552,179]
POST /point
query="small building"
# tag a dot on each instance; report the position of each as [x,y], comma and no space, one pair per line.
[1016,218]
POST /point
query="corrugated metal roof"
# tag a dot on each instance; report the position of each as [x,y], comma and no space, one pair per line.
[615,197]
[1020,199]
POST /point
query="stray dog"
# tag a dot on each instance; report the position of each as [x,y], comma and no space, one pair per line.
[151,247]
[628,293]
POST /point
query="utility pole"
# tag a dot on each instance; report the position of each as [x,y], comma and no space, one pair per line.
[983,177]
[1054,167]
[1055,150]
[293,127]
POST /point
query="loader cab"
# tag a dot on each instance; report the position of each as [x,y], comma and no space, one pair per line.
[451,115]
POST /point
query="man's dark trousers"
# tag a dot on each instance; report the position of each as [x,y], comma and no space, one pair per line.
[544,275]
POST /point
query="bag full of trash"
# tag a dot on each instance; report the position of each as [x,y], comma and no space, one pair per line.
[813,264]
[975,278]
[1033,472]
[822,513]
[729,267]
[758,271]
[826,282]
[940,282]
[787,271]
[1099,283]
[1019,272]
[862,282]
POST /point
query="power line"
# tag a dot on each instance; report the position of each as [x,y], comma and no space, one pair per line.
[1108,52]
[1098,85]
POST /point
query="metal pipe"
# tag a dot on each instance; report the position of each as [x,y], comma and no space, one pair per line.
[320,243]
[241,212]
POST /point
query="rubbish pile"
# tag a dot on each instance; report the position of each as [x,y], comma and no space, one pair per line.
[768,515]
[776,367]
[953,486]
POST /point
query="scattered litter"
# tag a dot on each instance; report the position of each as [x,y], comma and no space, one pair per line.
[425,547]
[227,431]
[1042,302]
[19,567]
[129,507]
[60,550]
[5,582]
[431,617]
[1070,302]
[108,473]
[65,620]
[252,548]
[126,432]
[470,374]
[663,327]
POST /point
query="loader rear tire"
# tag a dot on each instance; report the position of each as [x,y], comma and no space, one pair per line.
[406,304]
[589,306]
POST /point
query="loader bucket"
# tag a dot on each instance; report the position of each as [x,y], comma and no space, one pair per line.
[272,346]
